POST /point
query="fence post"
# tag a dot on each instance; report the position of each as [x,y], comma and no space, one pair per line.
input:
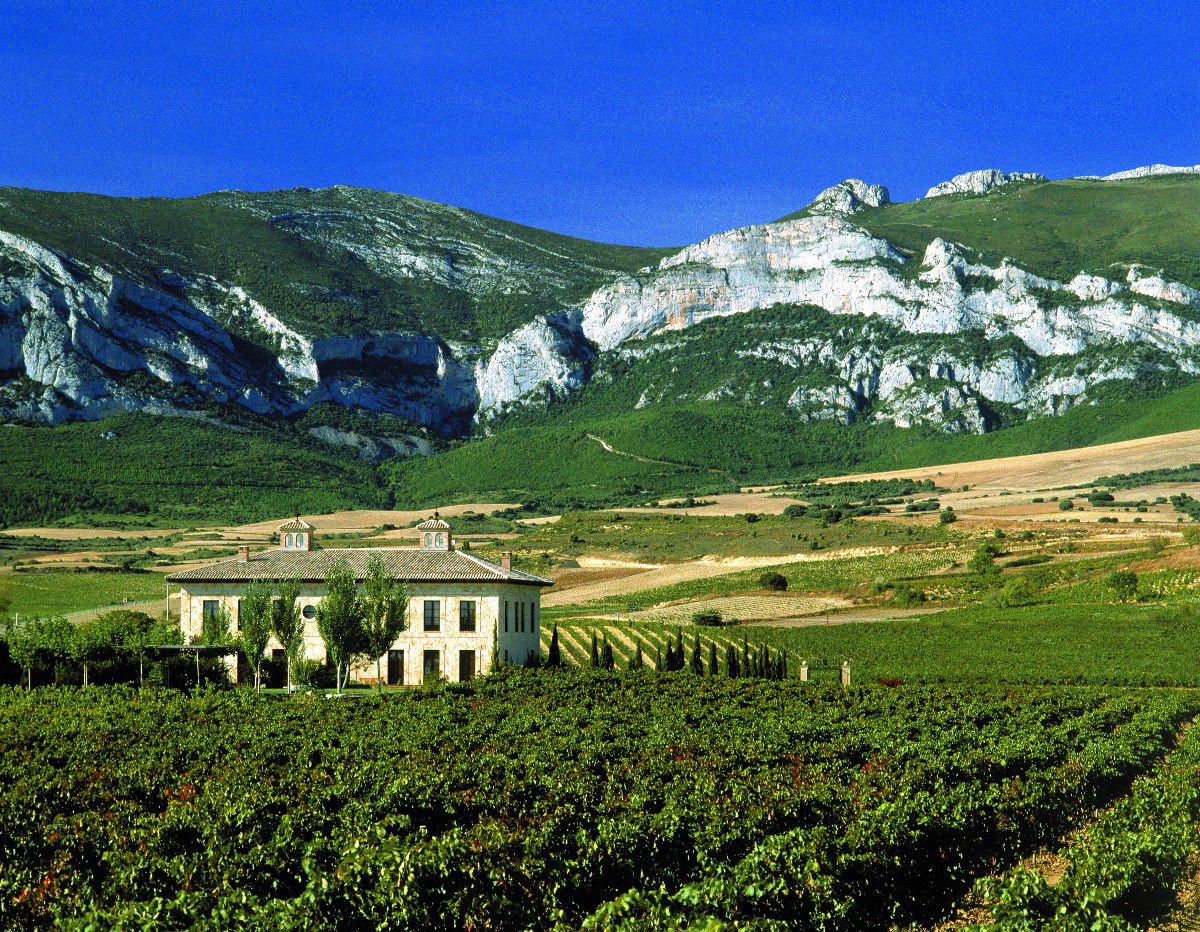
[845,672]
[804,671]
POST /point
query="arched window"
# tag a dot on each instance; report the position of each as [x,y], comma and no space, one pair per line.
[428,540]
[441,540]
[300,541]
[289,541]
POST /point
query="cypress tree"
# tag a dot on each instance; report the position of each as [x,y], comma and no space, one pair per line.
[712,658]
[636,662]
[554,654]
[731,662]
[767,663]
[658,661]
[746,658]
[697,662]
[680,656]
[595,651]
[607,660]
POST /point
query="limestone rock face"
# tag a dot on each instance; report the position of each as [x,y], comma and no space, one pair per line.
[545,357]
[82,340]
[980,182]
[1146,171]
[849,196]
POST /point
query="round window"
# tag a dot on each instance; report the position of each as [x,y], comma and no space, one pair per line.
[309,611]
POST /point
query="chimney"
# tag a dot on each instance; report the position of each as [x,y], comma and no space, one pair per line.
[506,560]
[243,554]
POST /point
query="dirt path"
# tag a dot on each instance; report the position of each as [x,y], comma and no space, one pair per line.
[609,448]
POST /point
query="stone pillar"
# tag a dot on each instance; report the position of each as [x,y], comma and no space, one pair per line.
[845,672]
[804,672]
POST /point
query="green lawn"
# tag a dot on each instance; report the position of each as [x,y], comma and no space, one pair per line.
[62,593]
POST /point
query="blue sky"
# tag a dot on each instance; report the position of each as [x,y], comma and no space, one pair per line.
[655,124]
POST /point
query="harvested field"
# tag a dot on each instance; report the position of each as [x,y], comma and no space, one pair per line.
[1061,468]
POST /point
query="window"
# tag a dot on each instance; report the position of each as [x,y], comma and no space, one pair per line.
[289,541]
[466,665]
[521,622]
[441,540]
[428,540]
[533,613]
[506,617]
[309,611]
[395,667]
[300,541]
[433,664]
[433,615]
[212,608]
[466,616]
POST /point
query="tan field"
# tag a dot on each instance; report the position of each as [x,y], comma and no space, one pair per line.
[1062,468]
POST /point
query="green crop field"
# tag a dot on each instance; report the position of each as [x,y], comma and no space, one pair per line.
[44,594]
[566,800]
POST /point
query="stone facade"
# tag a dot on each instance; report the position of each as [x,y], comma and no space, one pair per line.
[507,625]
[463,612]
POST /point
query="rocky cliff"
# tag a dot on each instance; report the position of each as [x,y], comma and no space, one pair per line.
[517,318]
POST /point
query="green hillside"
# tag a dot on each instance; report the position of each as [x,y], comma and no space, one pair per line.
[319,258]
[711,447]
[1060,228]
[174,471]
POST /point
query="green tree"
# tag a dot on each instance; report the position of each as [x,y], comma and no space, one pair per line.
[554,653]
[983,561]
[23,637]
[287,622]
[732,668]
[607,660]
[595,651]
[775,582]
[215,628]
[91,642]
[712,658]
[947,516]
[636,662]
[697,661]
[256,612]
[340,619]
[1066,505]
[1123,583]
[385,607]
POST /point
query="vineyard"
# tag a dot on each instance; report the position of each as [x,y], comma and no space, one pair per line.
[566,800]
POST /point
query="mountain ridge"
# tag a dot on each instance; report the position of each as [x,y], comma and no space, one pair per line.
[1023,299]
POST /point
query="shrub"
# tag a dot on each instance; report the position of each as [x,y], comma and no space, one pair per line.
[1191,536]
[1066,505]
[776,582]
[1123,584]
[907,596]
[947,516]
[708,618]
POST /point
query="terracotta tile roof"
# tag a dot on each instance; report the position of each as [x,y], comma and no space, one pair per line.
[433,524]
[296,524]
[403,563]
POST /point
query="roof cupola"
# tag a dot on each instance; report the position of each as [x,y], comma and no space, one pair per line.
[435,534]
[295,534]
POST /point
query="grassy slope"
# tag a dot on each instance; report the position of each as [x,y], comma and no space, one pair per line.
[560,464]
[172,470]
[62,593]
[318,285]
[1061,228]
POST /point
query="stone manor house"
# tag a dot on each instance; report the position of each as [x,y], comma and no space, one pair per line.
[462,609]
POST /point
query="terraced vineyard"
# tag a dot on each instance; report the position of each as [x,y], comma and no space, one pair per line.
[578,800]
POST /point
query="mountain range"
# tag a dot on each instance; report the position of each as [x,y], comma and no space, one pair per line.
[450,346]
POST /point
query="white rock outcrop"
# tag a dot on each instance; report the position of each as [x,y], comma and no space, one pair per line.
[1144,171]
[849,196]
[980,182]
